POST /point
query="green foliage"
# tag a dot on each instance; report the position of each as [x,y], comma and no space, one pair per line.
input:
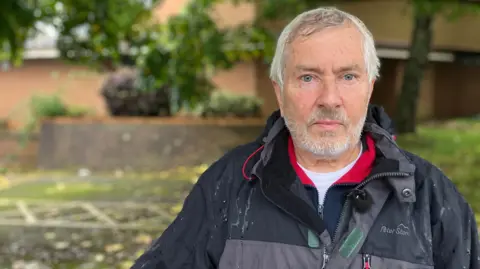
[17,18]
[52,106]
[187,51]
[250,42]
[108,25]
[222,103]
[47,106]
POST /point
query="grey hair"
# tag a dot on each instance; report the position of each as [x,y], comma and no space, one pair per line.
[313,21]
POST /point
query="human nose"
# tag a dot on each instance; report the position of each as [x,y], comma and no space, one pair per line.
[329,95]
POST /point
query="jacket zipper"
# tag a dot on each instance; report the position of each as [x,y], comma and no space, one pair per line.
[367,261]
[325,258]
[326,255]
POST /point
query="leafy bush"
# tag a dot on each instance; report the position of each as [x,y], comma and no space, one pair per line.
[224,104]
[127,93]
[52,106]
[47,106]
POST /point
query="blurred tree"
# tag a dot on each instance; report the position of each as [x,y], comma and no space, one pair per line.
[90,31]
[102,32]
[17,17]
[188,50]
[424,14]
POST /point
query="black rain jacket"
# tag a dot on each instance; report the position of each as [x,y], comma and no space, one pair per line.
[250,210]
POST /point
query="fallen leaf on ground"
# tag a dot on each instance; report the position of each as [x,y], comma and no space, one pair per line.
[143,239]
[99,257]
[62,245]
[86,244]
[176,208]
[49,236]
[113,248]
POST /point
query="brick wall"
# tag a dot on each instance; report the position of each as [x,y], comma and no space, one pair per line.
[79,86]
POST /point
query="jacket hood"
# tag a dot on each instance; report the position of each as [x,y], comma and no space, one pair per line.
[375,115]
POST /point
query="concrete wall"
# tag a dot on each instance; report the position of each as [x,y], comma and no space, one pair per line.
[140,144]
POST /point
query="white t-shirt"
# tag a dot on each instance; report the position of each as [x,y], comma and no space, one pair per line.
[323,181]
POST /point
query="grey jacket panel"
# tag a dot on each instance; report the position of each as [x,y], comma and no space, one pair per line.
[246,254]
[386,263]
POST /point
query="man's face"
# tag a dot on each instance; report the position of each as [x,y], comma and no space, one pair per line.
[326,91]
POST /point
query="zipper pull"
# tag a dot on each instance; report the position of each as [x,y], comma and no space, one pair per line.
[325,258]
[367,262]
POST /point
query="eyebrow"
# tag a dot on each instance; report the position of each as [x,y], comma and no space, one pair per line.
[353,67]
[305,68]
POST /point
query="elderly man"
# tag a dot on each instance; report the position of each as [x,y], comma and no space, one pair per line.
[325,185]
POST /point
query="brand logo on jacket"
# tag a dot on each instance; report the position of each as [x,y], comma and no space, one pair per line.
[401,229]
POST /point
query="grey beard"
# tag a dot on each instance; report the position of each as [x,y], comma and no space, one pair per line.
[328,150]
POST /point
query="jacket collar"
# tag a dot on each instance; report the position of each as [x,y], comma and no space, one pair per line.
[378,125]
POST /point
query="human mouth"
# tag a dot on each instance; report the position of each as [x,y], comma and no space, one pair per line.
[328,124]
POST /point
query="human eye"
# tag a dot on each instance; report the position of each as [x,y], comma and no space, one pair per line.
[306,78]
[349,77]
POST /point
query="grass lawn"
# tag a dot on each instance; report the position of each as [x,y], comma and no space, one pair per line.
[163,186]
[455,148]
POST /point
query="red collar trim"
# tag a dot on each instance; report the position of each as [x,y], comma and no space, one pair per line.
[357,174]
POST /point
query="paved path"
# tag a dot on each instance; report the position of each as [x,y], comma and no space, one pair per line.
[83,214]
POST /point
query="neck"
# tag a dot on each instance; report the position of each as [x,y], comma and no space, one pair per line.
[322,165]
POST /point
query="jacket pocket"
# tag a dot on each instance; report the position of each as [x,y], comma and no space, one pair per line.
[369,261]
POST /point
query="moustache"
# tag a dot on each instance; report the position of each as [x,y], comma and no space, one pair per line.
[328,114]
